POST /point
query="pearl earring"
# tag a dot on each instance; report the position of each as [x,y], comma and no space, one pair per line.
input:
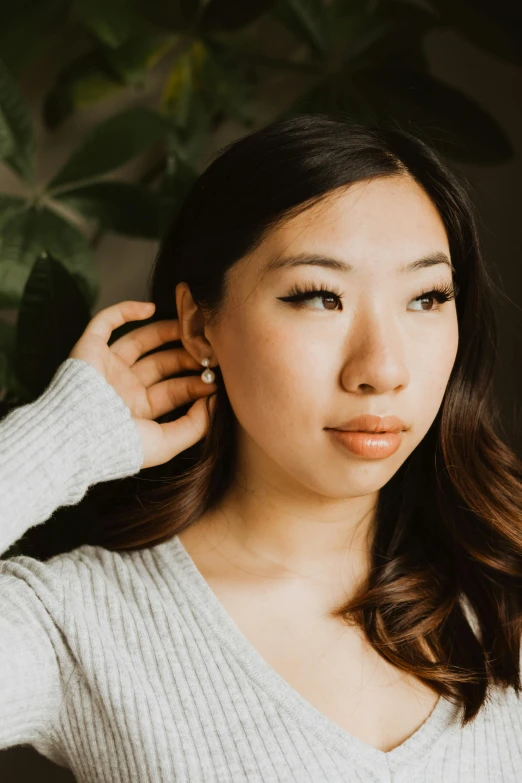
[207,375]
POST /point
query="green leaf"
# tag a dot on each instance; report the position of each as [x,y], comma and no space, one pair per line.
[85,81]
[177,91]
[174,186]
[232,14]
[7,349]
[210,74]
[7,337]
[7,140]
[123,207]
[5,384]
[188,139]
[9,206]
[308,20]
[112,22]
[12,282]
[52,317]
[4,379]
[111,144]
[419,102]
[131,61]
[25,236]
[12,391]
[228,83]
[17,144]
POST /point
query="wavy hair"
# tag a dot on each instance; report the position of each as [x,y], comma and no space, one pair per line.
[442,598]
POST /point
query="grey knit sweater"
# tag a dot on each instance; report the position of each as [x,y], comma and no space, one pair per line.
[126,667]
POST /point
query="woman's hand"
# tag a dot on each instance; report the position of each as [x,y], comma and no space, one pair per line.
[139,382]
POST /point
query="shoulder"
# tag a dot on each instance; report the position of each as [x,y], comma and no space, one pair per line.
[82,560]
[68,578]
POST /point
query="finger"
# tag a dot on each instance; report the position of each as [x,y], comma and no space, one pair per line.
[176,436]
[144,339]
[167,395]
[106,320]
[188,429]
[162,364]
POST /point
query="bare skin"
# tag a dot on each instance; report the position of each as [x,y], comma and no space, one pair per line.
[292,535]
[331,665]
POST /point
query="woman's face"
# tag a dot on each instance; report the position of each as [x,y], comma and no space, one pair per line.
[293,370]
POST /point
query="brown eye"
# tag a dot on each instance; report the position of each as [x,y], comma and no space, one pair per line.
[440,295]
[299,297]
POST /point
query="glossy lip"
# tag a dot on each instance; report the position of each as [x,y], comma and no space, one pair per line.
[370,423]
[372,445]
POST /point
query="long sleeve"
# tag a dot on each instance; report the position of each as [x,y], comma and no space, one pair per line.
[77,433]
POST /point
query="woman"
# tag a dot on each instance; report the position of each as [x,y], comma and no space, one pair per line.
[330,590]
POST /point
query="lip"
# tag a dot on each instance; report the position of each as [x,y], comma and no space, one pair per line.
[378,445]
[370,423]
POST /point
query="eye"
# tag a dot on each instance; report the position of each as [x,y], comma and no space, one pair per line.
[332,298]
[441,294]
[299,295]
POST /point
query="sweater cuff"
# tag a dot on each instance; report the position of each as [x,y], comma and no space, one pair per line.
[95,423]
[77,433]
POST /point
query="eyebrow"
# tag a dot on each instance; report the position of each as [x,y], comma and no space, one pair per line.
[338,265]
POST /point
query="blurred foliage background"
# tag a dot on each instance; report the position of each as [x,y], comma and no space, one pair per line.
[362,57]
[365,58]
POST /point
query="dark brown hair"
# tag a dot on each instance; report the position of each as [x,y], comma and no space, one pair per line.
[448,534]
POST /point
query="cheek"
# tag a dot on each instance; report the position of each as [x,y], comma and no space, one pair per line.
[430,375]
[273,379]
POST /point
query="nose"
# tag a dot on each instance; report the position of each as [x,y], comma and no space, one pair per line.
[374,360]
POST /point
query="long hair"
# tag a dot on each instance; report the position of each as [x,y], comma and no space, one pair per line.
[442,599]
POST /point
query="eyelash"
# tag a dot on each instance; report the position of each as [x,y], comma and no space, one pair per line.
[441,294]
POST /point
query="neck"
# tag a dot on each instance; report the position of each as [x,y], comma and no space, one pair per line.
[274,535]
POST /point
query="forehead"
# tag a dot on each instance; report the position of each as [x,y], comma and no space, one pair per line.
[374,225]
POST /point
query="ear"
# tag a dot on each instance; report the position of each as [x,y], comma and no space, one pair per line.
[192,323]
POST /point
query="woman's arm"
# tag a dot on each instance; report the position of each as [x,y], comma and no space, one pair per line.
[77,433]
[35,659]
[95,422]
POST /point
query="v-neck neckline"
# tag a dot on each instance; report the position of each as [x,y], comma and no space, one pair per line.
[443,719]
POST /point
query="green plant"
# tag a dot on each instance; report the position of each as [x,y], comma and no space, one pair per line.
[364,58]
[361,57]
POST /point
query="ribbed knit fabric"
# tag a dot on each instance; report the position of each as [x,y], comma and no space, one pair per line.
[126,666]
